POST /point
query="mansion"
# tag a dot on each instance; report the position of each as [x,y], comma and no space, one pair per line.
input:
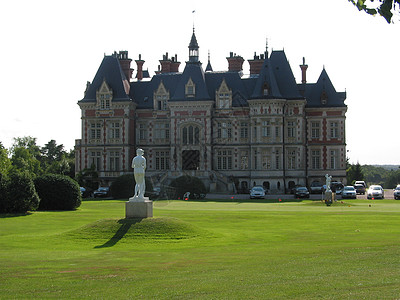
[229,129]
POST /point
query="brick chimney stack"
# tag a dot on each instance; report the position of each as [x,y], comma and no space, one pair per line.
[139,64]
[125,63]
[165,64]
[256,63]
[303,68]
[235,62]
[175,64]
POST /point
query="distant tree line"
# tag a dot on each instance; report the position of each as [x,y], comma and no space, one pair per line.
[388,178]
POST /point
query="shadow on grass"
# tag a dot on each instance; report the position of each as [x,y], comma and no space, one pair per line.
[126,224]
[14,215]
[238,201]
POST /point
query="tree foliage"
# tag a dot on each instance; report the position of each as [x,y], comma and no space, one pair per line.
[5,162]
[187,183]
[353,173]
[384,8]
[124,187]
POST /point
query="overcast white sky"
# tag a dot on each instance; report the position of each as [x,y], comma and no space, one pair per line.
[49,49]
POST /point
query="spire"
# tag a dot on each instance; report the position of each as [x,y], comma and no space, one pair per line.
[193,49]
[266,47]
[209,68]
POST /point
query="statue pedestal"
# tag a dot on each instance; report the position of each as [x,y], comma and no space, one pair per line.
[330,197]
[139,208]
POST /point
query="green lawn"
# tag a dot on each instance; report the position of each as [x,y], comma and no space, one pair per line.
[205,250]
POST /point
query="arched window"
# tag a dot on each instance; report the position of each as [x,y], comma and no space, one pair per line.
[190,135]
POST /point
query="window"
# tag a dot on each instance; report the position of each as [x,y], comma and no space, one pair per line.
[277,160]
[114,161]
[161,131]
[333,159]
[315,159]
[114,130]
[255,160]
[104,96]
[190,88]
[223,96]
[291,160]
[224,159]
[161,96]
[95,130]
[277,131]
[291,129]
[224,130]
[95,160]
[266,129]
[162,160]
[334,128]
[142,132]
[267,160]
[315,130]
[244,130]
[191,135]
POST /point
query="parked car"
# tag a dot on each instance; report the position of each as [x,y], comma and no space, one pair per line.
[101,192]
[396,192]
[360,189]
[316,187]
[337,187]
[349,192]
[375,191]
[257,192]
[361,182]
[301,192]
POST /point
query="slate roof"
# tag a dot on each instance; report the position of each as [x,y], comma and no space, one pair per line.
[110,71]
[314,92]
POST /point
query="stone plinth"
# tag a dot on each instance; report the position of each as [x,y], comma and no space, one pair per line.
[139,208]
[330,197]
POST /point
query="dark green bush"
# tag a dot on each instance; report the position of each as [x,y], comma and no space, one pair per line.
[124,186]
[186,183]
[18,194]
[58,192]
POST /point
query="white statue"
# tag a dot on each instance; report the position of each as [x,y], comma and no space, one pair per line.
[139,166]
[328,183]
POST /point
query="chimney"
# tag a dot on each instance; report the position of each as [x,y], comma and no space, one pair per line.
[303,68]
[139,64]
[175,64]
[165,64]
[235,62]
[125,63]
[256,64]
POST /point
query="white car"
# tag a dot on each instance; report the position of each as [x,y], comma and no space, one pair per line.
[257,192]
[375,191]
[349,192]
[396,192]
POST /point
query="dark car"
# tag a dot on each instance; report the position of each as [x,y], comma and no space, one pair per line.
[360,189]
[101,192]
[301,192]
[316,187]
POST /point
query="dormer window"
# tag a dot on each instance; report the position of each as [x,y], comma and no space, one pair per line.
[104,96]
[223,96]
[161,97]
[265,89]
[190,88]
[324,97]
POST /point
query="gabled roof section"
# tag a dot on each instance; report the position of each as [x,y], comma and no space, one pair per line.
[323,93]
[266,80]
[195,73]
[284,76]
[109,71]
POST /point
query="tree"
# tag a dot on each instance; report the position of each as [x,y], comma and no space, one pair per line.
[384,8]
[5,162]
[23,161]
[353,173]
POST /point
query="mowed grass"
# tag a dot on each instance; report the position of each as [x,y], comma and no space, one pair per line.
[204,250]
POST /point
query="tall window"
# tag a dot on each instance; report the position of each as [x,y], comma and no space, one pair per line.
[104,96]
[223,96]
[161,131]
[114,161]
[267,160]
[244,129]
[224,130]
[142,131]
[244,160]
[315,130]
[333,159]
[291,160]
[190,88]
[114,130]
[95,130]
[191,135]
[277,160]
[95,160]
[224,159]
[291,129]
[266,129]
[255,160]
[162,160]
[161,102]
[334,130]
[161,96]
[315,159]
